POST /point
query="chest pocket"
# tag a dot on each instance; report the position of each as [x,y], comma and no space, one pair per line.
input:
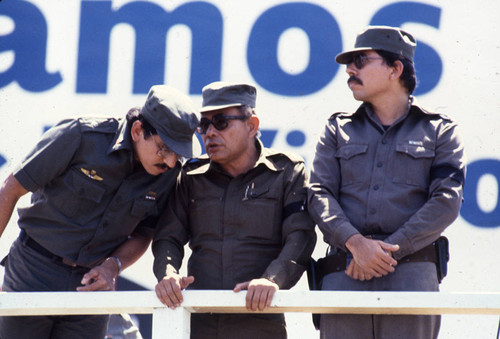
[412,164]
[352,162]
[79,198]
[261,214]
[142,208]
[206,217]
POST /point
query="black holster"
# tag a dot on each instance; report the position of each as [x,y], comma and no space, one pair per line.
[436,252]
[442,257]
[314,278]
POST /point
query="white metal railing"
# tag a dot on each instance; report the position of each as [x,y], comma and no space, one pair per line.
[169,323]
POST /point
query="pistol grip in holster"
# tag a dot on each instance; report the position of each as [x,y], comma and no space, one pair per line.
[442,257]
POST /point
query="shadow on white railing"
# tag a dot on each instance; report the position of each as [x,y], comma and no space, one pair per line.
[175,323]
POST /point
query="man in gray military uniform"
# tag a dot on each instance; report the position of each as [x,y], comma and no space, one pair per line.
[385,183]
[97,187]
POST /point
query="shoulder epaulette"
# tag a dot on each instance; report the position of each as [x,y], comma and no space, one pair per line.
[433,114]
[340,114]
[194,163]
[281,155]
[103,125]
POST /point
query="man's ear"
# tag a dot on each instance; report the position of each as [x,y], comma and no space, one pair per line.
[254,123]
[136,130]
[397,70]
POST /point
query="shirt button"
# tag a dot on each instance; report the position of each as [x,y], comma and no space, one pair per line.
[379,164]
[384,141]
[373,211]
[376,187]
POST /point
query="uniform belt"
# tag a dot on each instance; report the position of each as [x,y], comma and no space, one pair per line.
[338,262]
[28,241]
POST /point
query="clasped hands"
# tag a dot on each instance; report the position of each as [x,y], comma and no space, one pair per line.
[371,258]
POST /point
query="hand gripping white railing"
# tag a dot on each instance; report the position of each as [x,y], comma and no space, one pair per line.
[175,323]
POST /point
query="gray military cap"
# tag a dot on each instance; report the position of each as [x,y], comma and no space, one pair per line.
[219,95]
[175,118]
[386,38]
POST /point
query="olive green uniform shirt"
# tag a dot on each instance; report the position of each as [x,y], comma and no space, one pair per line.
[89,194]
[251,226]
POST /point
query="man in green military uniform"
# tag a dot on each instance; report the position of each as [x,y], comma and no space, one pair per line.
[98,185]
[241,207]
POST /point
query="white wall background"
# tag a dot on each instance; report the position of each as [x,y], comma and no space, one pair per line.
[467,42]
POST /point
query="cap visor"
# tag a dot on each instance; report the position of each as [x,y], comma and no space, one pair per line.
[186,149]
[216,107]
[346,57]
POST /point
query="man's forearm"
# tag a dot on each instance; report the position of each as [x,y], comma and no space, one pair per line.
[131,250]
[168,258]
[10,192]
[288,267]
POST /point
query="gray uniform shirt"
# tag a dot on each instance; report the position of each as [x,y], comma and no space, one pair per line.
[87,196]
[405,181]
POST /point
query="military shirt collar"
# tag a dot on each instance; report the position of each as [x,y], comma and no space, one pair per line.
[264,154]
[413,105]
[263,160]
[123,139]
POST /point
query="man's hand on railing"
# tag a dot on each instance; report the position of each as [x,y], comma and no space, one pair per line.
[100,278]
[260,293]
[168,290]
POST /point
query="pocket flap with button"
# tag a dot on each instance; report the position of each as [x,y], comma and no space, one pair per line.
[350,150]
[84,187]
[258,192]
[140,207]
[415,151]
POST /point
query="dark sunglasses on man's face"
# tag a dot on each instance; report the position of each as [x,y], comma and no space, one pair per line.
[360,60]
[220,122]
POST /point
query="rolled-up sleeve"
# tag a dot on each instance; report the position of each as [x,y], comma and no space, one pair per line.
[51,156]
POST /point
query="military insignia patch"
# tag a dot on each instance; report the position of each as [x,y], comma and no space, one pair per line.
[92,174]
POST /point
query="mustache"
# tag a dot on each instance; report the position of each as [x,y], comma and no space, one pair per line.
[210,142]
[355,79]
[162,166]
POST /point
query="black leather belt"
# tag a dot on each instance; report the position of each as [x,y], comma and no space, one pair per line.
[338,262]
[28,241]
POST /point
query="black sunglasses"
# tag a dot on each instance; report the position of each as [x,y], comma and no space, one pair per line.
[220,122]
[360,60]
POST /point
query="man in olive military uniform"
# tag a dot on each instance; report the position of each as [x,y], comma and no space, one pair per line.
[385,183]
[242,209]
[97,187]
